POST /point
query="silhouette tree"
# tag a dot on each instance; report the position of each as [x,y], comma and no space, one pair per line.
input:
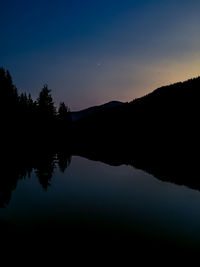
[63,112]
[64,121]
[45,117]
[45,103]
[64,115]
[9,94]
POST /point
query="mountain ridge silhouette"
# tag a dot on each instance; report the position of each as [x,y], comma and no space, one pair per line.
[175,104]
[76,115]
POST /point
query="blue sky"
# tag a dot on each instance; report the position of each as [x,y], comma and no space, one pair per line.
[91,52]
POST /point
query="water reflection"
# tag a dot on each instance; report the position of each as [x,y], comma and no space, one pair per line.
[18,166]
[93,201]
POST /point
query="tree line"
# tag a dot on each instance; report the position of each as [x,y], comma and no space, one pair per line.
[34,121]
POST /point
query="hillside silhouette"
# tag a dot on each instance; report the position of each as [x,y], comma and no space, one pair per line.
[166,117]
[164,122]
[77,115]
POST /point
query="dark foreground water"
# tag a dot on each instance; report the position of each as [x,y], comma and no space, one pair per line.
[94,202]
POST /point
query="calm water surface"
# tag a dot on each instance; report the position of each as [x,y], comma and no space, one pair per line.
[95,194]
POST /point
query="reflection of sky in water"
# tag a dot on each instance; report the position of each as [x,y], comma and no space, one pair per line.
[110,195]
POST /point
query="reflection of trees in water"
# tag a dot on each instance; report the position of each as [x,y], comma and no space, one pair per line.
[20,166]
[44,168]
[43,163]
[63,160]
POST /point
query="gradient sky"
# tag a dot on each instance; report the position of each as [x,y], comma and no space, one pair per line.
[93,51]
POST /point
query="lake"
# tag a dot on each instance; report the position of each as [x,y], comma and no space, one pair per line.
[97,200]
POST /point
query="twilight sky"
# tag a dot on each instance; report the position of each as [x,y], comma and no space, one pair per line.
[93,51]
